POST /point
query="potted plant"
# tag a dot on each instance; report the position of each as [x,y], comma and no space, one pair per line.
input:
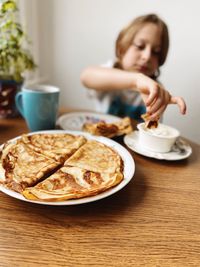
[15,59]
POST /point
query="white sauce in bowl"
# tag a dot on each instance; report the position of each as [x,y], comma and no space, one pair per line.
[163,131]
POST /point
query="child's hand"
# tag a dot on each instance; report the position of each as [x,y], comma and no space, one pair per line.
[156,98]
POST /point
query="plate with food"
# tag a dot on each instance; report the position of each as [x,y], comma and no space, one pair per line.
[63,167]
[75,120]
[95,123]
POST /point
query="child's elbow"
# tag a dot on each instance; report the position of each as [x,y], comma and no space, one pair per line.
[84,77]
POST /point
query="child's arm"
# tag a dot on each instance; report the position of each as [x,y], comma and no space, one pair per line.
[106,79]
[156,98]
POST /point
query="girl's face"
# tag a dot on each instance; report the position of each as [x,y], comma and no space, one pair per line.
[143,54]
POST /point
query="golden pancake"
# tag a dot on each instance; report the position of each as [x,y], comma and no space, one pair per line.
[24,167]
[72,183]
[150,124]
[110,130]
[56,146]
[97,157]
[59,167]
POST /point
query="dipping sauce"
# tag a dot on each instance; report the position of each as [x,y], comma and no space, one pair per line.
[162,131]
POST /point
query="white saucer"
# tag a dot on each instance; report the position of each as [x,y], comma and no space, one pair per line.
[180,150]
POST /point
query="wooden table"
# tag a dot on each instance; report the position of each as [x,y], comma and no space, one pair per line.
[153,221]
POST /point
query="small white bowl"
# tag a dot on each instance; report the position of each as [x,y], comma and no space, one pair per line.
[160,139]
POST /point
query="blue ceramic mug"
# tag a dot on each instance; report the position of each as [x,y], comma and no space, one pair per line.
[38,104]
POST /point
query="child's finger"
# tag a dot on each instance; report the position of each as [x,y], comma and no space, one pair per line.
[156,115]
[180,102]
[153,94]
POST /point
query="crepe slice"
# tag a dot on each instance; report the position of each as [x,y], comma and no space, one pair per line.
[72,183]
[96,157]
[24,167]
[56,146]
[150,124]
[110,130]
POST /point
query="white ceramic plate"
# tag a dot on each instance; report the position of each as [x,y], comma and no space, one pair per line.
[75,120]
[180,151]
[129,170]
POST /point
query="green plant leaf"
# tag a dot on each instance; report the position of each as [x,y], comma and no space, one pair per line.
[14,58]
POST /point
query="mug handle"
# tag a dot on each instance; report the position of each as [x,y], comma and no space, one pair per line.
[18,102]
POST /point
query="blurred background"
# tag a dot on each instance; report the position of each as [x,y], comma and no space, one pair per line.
[68,35]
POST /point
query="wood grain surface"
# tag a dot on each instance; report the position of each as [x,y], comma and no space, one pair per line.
[153,221]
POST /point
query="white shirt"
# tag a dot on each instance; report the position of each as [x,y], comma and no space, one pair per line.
[103,99]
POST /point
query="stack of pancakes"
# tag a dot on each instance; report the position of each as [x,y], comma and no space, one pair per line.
[55,167]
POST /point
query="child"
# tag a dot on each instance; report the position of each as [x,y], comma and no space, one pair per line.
[129,86]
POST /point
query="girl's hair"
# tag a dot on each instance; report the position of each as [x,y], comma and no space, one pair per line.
[126,36]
